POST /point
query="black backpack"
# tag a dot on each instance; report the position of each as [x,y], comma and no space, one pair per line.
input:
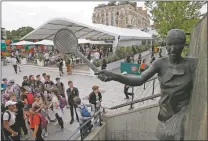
[62,85]
[2,114]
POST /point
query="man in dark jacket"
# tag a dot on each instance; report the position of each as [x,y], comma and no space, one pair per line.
[95,97]
[72,92]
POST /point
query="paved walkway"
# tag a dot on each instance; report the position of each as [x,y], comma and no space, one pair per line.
[112,93]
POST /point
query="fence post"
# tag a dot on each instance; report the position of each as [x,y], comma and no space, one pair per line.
[99,118]
[144,86]
[81,134]
[131,107]
[153,87]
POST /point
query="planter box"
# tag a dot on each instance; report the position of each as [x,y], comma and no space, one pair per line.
[40,63]
[23,61]
[92,72]
[114,65]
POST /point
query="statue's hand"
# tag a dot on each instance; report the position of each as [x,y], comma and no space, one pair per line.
[105,75]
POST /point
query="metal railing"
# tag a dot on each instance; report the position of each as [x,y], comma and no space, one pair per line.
[153,89]
[86,126]
[136,101]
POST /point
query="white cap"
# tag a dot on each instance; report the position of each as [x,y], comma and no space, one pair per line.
[124,73]
[8,103]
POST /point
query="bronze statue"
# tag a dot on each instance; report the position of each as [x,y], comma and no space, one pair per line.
[176,75]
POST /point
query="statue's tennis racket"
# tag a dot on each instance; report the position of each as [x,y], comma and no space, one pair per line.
[66,42]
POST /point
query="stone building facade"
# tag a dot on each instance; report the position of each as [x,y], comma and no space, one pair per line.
[3,34]
[125,15]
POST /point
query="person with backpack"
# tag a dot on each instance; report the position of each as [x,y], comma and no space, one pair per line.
[32,82]
[35,123]
[16,89]
[25,82]
[30,97]
[20,121]
[48,83]
[39,103]
[60,87]
[39,85]
[84,114]
[4,83]
[57,109]
[9,124]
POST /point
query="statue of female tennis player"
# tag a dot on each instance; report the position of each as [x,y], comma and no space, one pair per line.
[176,76]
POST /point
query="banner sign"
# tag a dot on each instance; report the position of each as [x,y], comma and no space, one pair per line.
[131,68]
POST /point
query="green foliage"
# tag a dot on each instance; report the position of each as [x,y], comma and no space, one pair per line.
[168,15]
[7,54]
[156,44]
[185,51]
[121,52]
[19,33]
[129,51]
[97,63]
[40,57]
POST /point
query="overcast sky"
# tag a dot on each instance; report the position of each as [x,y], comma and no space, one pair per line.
[18,14]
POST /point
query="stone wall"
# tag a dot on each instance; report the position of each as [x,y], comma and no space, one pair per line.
[196,125]
[136,124]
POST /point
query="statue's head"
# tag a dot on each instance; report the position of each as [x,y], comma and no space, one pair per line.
[175,42]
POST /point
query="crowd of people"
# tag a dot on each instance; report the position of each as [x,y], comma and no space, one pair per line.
[38,102]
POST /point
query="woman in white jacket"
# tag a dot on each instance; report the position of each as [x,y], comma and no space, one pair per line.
[57,109]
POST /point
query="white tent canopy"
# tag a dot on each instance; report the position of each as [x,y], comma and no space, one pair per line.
[124,33]
[82,31]
[22,43]
[45,42]
[84,41]
[94,32]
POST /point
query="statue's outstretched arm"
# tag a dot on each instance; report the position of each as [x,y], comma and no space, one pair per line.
[105,75]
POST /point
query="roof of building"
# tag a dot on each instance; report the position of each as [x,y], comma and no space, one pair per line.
[84,31]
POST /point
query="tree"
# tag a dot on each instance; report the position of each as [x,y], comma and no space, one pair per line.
[19,33]
[174,14]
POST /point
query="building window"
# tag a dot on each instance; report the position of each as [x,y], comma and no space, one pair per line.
[117,13]
[116,22]
[112,22]
[126,20]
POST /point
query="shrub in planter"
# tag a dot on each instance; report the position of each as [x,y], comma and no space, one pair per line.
[134,49]
[155,44]
[115,58]
[109,59]
[129,51]
[40,57]
[121,52]
[97,63]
